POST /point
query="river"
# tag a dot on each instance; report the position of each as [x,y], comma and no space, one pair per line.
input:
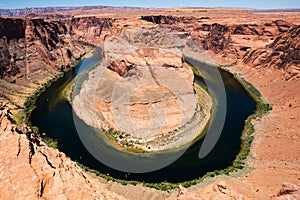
[54,117]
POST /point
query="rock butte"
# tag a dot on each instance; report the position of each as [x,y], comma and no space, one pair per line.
[148,97]
[35,48]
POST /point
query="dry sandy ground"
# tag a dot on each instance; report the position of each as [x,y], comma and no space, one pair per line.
[276,148]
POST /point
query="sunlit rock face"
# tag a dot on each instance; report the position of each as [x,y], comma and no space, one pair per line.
[141,94]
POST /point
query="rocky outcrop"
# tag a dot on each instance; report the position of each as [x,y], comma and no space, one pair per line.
[36,171]
[288,191]
[145,99]
[143,57]
[163,19]
[268,29]
[218,38]
[283,54]
[32,45]
[183,194]
[218,190]
[89,29]
[141,95]
[34,50]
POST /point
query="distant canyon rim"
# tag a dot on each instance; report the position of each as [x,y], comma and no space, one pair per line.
[263,48]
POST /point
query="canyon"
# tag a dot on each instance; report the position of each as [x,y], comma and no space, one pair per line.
[133,86]
[263,48]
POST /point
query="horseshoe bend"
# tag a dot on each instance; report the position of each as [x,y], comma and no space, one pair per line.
[147,95]
[146,99]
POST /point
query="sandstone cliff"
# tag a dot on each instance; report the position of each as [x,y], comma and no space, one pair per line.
[146,97]
[32,170]
[35,50]
[283,54]
[273,43]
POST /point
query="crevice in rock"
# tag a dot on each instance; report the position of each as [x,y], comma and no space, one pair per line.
[42,187]
[18,131]
[150,102]
[47,160]
[19,145]
[153,76]
[31,152]
[33,138]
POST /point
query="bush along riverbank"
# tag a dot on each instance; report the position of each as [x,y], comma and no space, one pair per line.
[30,103]
[237,164]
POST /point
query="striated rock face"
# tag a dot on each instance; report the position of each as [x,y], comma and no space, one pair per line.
[230,42]
[218,38]
[31,45]
[144,95]
[12,34]
[283,54]
[89,29]
[162,19]
[32,170]
[288,191]
[34,50]
[268,29]
[143,57]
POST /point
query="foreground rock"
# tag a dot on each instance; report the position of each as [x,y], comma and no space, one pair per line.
[35,171]
[288,191]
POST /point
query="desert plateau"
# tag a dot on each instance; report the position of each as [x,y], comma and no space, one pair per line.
[139,80]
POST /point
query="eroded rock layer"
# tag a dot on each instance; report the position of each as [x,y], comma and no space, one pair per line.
[283,53]
[33,51]
[143,95]
[36,171]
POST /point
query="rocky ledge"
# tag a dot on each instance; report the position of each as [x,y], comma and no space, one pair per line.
[32,170]
[145,99]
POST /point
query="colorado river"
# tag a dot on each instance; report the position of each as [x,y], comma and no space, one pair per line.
[54,116]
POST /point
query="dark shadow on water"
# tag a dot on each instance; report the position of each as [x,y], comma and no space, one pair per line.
[57,122]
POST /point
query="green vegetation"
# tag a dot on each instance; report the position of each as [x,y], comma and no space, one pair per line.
[237,164]
[247,137]
[67,91]
[226,66]
[50,142]
[195,71]
[30,103]
[19,117]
